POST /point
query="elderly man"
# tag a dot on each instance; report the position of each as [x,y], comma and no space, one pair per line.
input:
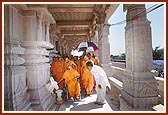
[71,76]
[101,82]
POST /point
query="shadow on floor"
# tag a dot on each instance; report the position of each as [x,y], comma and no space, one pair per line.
[86,107]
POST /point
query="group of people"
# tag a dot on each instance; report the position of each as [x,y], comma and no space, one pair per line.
[80,73]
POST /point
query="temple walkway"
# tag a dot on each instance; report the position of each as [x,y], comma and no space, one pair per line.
[87,104]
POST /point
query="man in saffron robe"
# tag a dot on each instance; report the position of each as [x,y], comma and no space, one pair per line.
[93,58]
[67,61]
[87,79]
[78,64]
[101,82]
[58,67]
[71,78]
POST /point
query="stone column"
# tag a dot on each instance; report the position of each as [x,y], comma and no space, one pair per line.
[43,31]
[139,86]
[39,28]
[104,45]
[95,40]
[47,31]
[38,68]
[29,20]
[16,97]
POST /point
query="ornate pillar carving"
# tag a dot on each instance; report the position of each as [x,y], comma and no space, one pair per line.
[36,57]
[47,31]
[39,29]
[16,97]
[139,87]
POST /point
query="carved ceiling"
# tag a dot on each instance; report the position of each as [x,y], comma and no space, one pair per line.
[75,21]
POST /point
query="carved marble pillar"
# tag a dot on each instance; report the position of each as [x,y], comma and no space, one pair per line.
[39,28]
[47,31]
[16,97]
[104,45]
[140,87]
[36,62]
[29,20]
[43,31]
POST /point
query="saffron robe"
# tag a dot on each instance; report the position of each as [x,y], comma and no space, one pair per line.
[72,82]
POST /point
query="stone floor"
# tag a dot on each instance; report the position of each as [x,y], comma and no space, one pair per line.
[87,104]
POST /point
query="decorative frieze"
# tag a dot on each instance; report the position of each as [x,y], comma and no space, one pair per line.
[140,88]
[130,103]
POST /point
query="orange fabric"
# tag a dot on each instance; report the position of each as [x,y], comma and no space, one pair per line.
[78,63]
[73,84]
[52,67]
[57,69]
[83,66]
[87,80]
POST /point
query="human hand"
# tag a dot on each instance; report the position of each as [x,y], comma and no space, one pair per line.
[99,86]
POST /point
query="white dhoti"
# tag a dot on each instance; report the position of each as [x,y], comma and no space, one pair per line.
[101,95]
[101,79]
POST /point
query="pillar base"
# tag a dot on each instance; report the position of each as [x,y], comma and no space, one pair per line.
[140,104]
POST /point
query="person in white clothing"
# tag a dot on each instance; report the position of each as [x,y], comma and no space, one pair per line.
[101,82]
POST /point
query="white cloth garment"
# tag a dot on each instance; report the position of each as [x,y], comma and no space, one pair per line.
[101,79]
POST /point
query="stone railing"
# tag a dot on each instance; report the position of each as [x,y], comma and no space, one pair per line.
[115,91]
[118,72]
[118,64]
